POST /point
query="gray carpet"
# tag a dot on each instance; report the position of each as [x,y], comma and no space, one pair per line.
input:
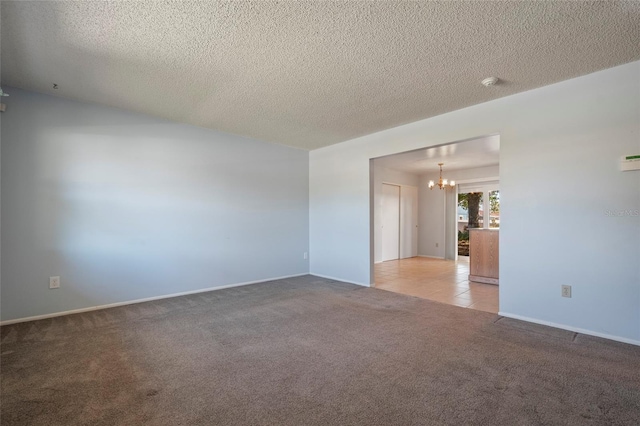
[309,351]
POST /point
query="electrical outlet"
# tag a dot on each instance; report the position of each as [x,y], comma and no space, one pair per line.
[54,282]
[566,291]
[305,255]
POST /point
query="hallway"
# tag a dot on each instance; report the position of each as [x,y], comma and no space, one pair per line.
[444,281]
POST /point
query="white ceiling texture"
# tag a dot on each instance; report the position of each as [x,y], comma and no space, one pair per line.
[307,73]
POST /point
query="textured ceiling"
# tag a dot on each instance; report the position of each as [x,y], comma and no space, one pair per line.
[312,73]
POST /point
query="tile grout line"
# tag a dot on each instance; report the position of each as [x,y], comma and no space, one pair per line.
[440,281]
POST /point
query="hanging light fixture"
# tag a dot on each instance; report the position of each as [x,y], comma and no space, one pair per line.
[442,183]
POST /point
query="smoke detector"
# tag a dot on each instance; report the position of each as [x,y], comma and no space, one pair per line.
[489,81]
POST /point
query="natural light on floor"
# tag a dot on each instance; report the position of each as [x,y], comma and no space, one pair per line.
[444,281]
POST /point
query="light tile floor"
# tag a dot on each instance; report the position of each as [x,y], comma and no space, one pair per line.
[444,281]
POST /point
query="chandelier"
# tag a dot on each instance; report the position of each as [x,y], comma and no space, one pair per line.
[442,183]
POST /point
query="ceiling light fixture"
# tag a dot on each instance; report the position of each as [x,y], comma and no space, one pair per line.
[489,81]
[442,183]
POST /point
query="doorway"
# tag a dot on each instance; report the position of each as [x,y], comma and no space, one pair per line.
[429,266]
[399,221]
[478,206]
[390,222]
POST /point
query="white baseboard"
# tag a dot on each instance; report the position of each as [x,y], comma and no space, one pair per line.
[146,299]
[570,328]
[431,257]
[339,279]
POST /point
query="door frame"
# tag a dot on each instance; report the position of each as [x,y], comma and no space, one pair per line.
[487,185]
[399,224]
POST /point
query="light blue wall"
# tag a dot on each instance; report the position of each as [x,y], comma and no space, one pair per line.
[123,206]
[561,190]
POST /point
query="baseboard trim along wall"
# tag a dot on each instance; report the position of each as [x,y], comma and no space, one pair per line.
[569,328]
[339,279]
[147,299]
[431,257]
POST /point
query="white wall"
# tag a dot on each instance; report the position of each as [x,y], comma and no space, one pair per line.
[432,208]
[431,221]
[384,175]
[560,148]
[123,206]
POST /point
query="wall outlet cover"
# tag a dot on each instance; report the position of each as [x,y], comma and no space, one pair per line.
[54,282]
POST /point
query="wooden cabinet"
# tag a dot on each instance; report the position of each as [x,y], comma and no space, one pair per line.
[483,255]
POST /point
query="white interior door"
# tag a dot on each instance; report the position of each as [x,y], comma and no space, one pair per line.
[408,222]
[390,222]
